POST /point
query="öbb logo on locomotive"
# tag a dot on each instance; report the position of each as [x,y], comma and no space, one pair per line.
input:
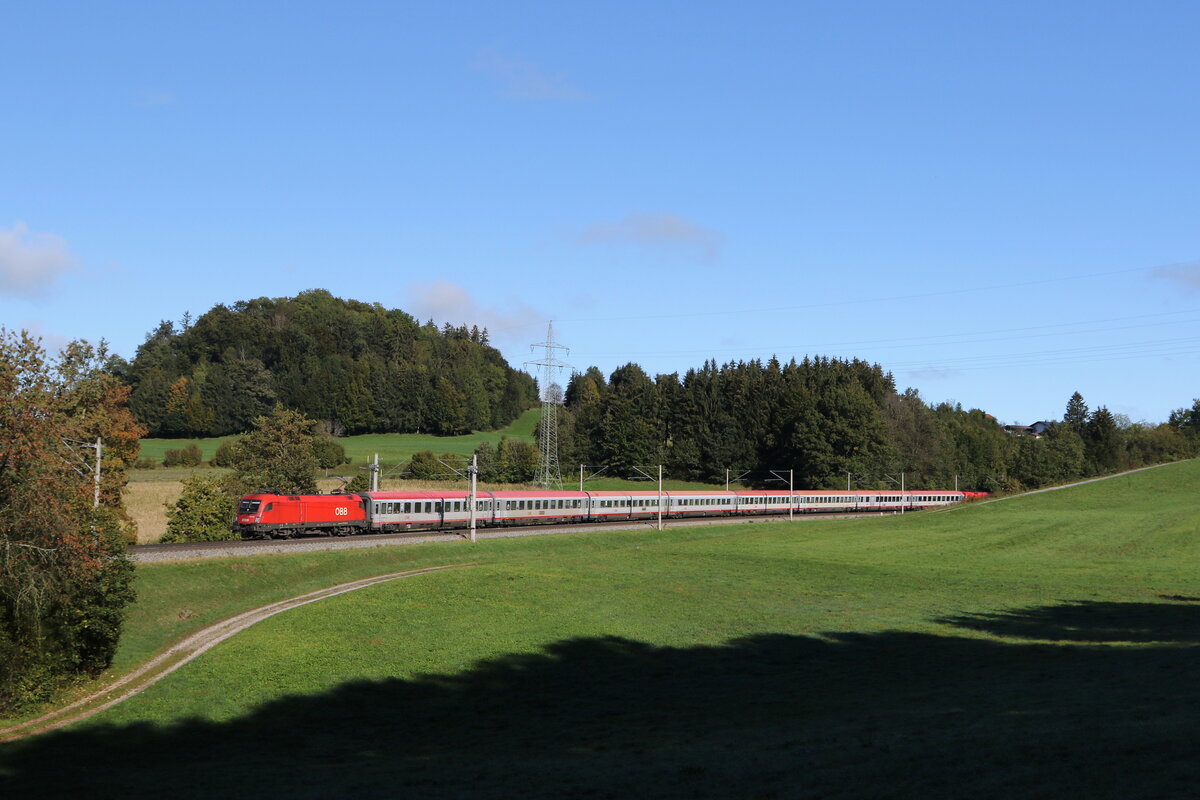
[283,516]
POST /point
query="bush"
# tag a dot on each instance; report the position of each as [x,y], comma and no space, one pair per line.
[328,452]
[226,454]
[190,456]
[203,512]
[145,463]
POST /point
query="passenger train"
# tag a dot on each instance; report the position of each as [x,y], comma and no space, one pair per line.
[263,516]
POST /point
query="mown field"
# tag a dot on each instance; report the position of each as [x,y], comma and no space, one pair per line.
[1043,646]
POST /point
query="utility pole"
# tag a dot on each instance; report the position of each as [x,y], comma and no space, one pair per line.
[472,471]
[778,473]
[594,472]
[96,475]
[548,472]
[80,466]
[740,475]
[375,474]
[660,497]
[649,477]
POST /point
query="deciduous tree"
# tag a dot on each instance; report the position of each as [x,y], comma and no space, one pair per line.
[64,577]
[277,456]
[203,512]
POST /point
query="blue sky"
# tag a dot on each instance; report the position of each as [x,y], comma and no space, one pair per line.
[998,202]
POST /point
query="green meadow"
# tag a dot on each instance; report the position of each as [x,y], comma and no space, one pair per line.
[1042,646]
[392,448]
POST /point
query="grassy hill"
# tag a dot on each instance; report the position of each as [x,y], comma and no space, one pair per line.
[391,447]
[1044,646]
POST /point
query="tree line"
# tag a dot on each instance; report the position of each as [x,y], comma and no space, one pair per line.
[837,422]
[354,367]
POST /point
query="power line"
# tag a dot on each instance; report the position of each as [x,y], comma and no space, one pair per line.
[857,301]
[971,337]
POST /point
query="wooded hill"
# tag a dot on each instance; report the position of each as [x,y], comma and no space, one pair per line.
[835,420]
[357,367]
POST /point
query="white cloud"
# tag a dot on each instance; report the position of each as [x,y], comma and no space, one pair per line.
[444,301]
[655,230]
[31,262]
[1186,275]
[522,79]
[51,342]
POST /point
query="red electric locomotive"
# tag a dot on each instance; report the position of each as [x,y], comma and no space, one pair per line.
[262,516]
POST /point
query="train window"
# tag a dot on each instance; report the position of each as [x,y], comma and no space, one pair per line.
[269,507]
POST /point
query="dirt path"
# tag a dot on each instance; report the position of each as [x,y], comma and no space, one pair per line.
[1077,483]
[179,654]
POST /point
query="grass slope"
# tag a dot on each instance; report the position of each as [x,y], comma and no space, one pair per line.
[1039,647]
[391,447]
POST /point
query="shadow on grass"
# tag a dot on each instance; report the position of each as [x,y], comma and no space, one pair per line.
[844,715]
[1093,622]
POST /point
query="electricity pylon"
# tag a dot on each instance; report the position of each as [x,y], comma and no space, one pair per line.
[548,473]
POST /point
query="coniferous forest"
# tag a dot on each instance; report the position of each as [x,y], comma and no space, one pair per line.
[837,423]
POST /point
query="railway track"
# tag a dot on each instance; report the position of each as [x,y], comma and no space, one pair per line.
[190,550]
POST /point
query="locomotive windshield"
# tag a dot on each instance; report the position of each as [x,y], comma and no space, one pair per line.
[248,506]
